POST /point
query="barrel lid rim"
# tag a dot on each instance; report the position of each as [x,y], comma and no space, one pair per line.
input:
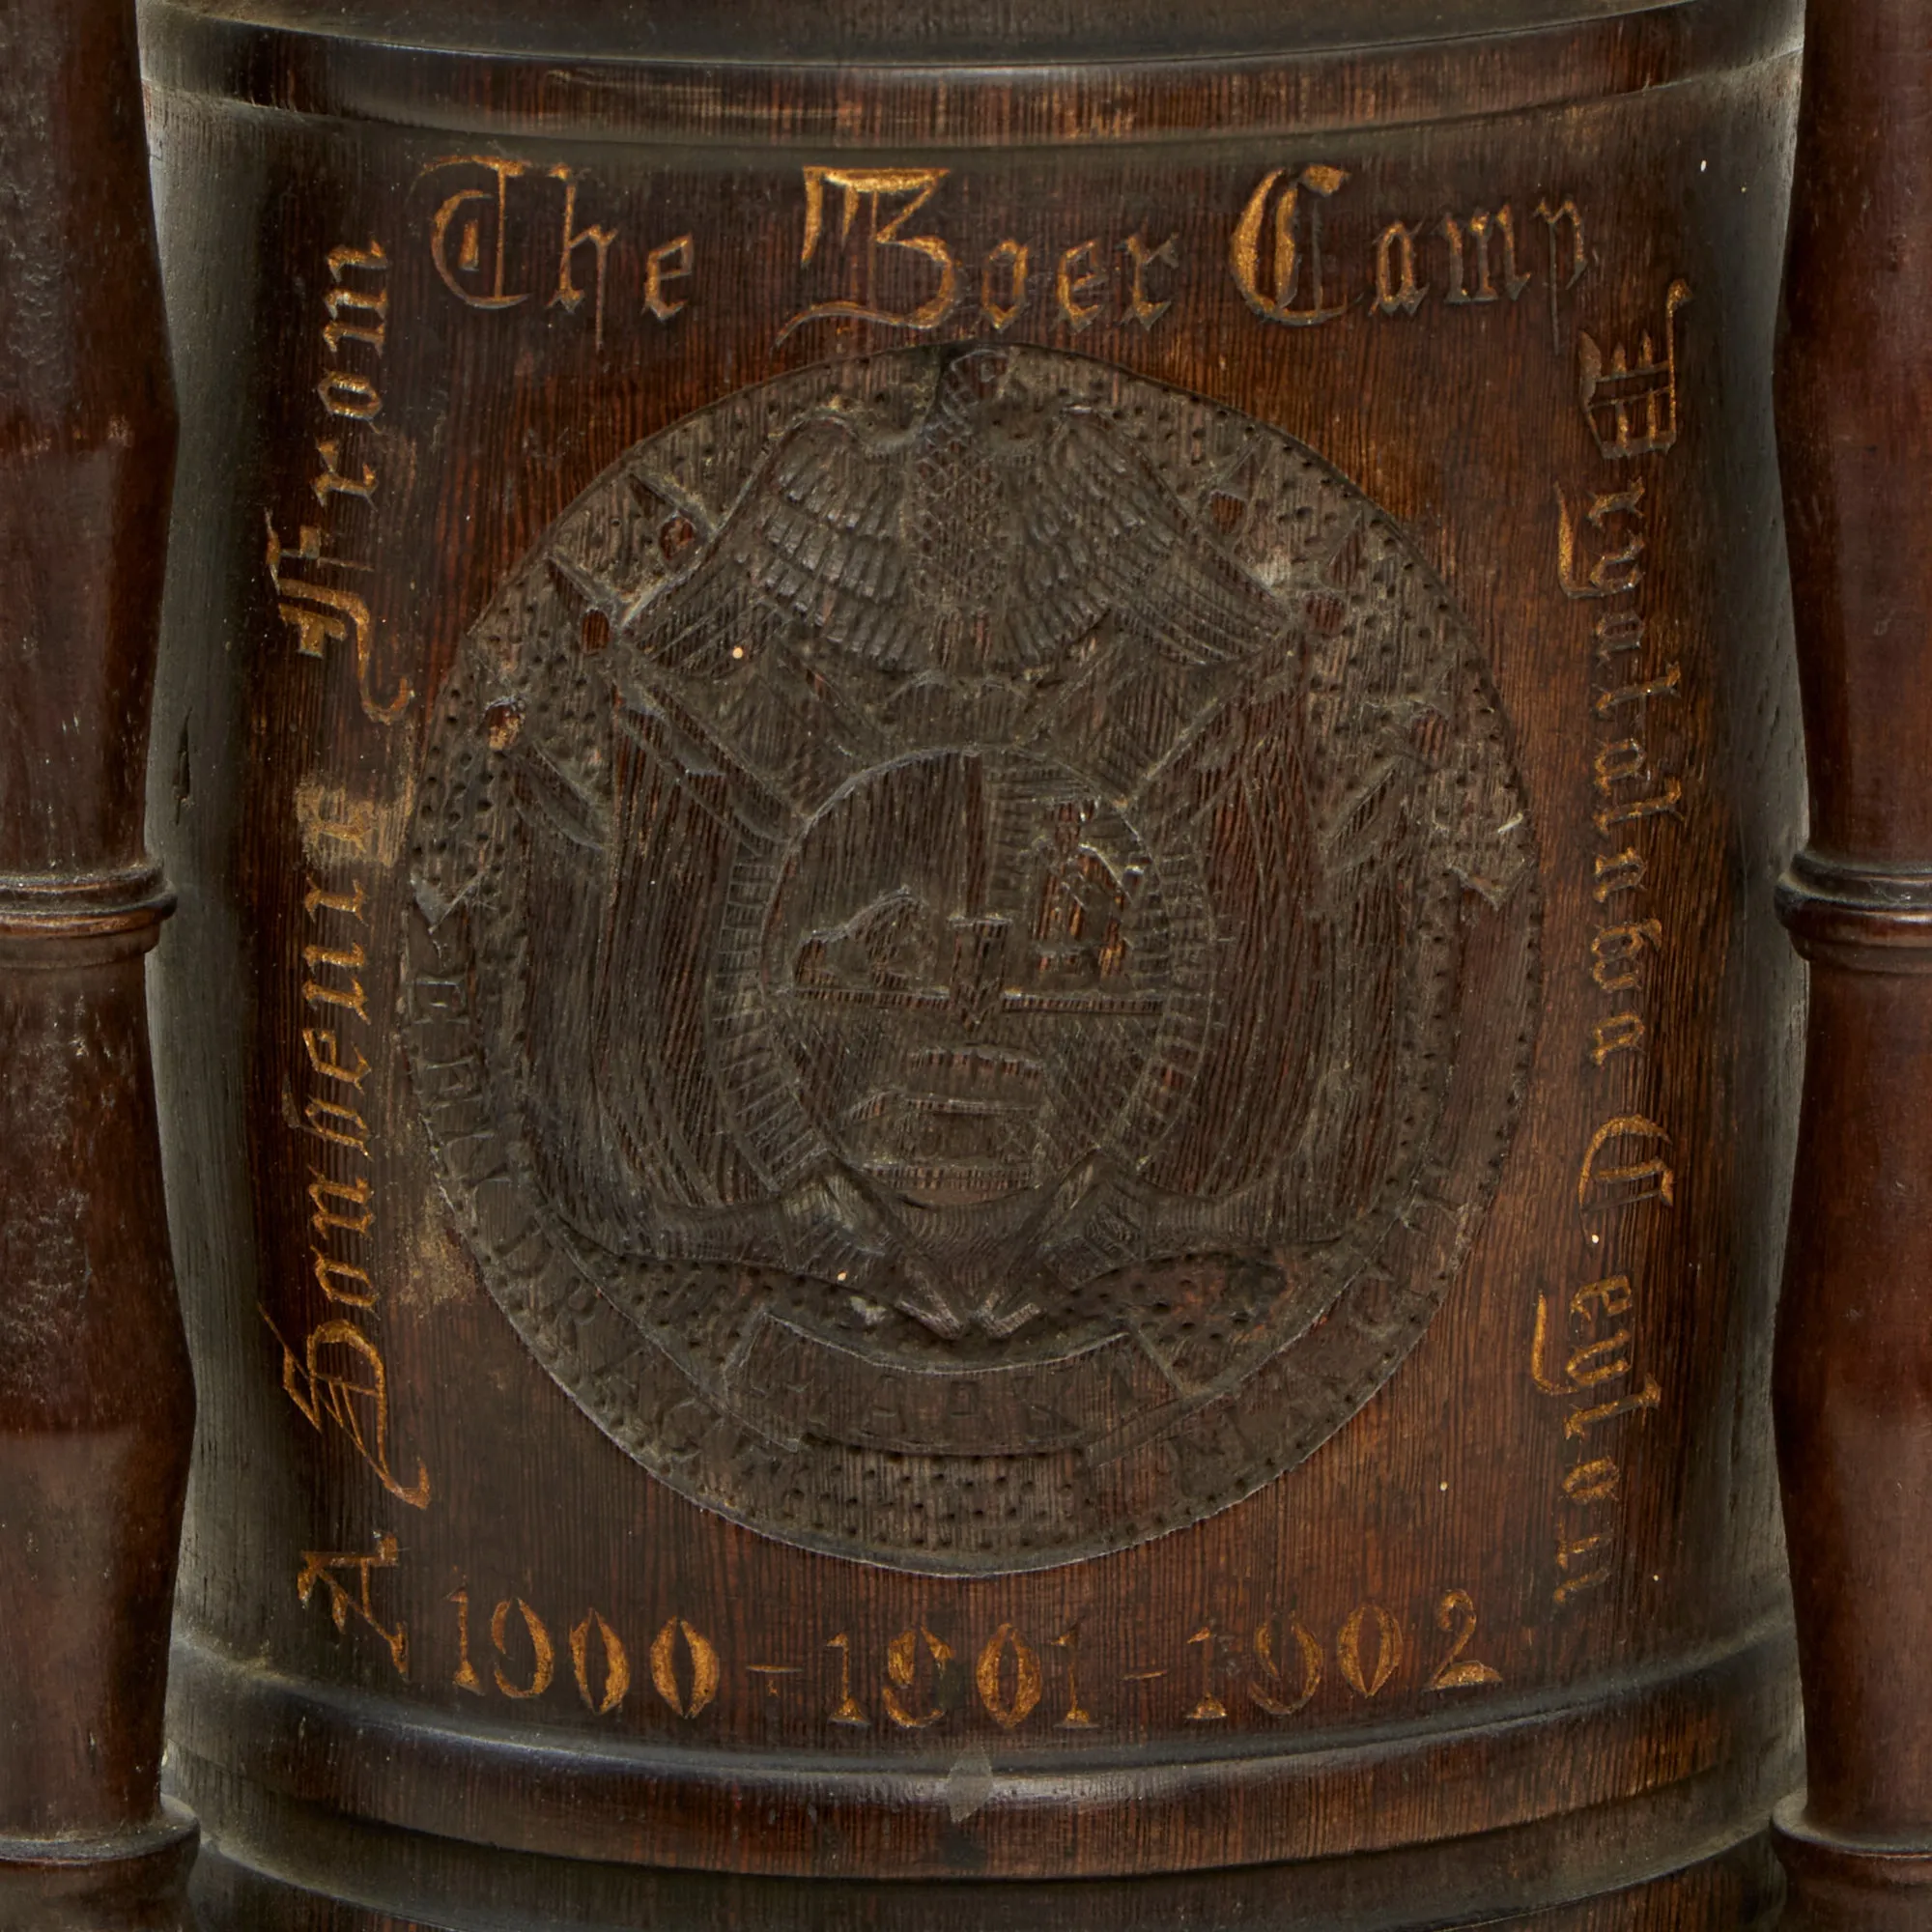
[1205,97]
[968,35]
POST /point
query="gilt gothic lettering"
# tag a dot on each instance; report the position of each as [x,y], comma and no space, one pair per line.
[952,884]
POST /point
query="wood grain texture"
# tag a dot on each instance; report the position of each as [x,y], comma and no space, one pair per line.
[1009,1088]
[1854,1398]
[880,76]
[96,1402]
[953,33]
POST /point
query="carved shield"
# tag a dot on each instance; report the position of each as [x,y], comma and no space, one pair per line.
[959,880]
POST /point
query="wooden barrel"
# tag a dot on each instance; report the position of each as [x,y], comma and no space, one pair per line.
[977,1080]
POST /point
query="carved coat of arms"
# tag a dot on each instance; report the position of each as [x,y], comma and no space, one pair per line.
[975,958]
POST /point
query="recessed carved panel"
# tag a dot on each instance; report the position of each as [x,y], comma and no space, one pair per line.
[976,954]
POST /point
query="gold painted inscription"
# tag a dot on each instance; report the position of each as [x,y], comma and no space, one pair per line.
[1292,253]
[312,581]
[1587,1347]
[922,1678]
[331,1572]
[509,231]
[325,1321]
[858,233]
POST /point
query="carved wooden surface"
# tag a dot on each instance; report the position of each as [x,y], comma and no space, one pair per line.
[1008,1093]
[1852,1407]
[972,963]
[95,1403]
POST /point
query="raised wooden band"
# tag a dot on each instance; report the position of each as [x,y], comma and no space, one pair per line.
[1860,918]
[1842,1883]
[1099,70]
[133,1879]
[59,922]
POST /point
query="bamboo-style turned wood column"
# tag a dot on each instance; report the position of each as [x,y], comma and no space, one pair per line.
[96,1400]
[1855,1340]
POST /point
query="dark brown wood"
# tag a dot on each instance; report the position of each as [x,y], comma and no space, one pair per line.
[1854,1362]
[96,1400]
[977,1072]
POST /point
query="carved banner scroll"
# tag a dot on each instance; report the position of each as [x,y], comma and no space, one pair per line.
[949,891]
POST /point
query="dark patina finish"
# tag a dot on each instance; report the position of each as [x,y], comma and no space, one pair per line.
[994,791]
[96,1402]
[1853,1402]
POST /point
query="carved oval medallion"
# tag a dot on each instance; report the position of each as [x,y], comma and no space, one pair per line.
[976,954]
